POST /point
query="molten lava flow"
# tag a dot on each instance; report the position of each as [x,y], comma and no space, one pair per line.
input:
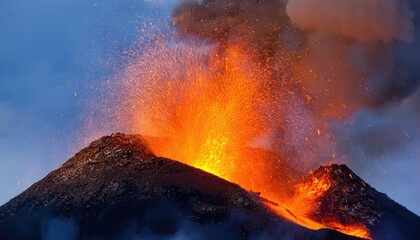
[306,202]
[300,208]
[207,109]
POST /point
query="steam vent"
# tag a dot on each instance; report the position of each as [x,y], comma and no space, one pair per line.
[116,188]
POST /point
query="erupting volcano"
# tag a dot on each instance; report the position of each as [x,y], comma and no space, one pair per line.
[242,93]
[229,93]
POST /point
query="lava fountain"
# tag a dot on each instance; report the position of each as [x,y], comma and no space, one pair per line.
[211,107]
[202,108]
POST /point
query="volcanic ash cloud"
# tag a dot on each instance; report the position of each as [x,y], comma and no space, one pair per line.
[361,20]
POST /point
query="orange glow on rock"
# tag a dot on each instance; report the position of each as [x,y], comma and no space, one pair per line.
[306,201]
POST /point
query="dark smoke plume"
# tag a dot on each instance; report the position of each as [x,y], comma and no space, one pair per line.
[342,53]
[258,24]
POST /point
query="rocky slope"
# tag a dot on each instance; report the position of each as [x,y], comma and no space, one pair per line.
[118,189]
[351,201]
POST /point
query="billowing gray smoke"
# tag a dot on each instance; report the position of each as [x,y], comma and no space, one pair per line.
[342,53]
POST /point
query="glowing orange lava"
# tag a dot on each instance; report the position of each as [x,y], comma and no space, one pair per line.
[306,201]
[207,110]
[207,116]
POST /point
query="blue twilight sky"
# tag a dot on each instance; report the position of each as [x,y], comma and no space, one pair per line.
[53,51]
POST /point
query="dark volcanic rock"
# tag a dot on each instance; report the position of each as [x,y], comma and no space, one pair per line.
[350,200]
[118,189]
